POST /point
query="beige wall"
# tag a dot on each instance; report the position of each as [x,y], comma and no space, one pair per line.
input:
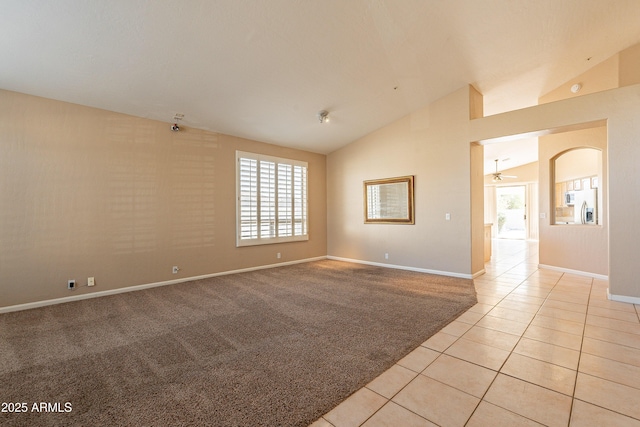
[579,248]
[87,192]
[476,110]
[603,76]
[432,144]
[622,69]
[619,109]
[629,66]
[575,247]
[477,208]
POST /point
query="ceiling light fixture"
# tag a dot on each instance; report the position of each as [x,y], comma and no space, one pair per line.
[576,88]
[323,116]
[497,177]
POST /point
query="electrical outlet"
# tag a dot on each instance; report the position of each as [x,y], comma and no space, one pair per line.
[447,216]
[91,281]
[386,256]
[278,255]
[175,269]
[71,284]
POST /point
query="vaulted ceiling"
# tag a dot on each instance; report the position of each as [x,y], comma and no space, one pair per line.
[262,69]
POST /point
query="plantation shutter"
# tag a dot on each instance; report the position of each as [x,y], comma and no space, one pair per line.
[285,202]
[248,198]
[300,200]
[272,199]
[267,199]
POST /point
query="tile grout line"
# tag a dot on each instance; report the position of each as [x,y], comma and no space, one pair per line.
[594,376]
[588,305]
[440,354]
[389,400]
[482,399]
[575,382]
[566,287]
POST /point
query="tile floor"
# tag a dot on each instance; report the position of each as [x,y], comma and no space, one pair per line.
[540,348]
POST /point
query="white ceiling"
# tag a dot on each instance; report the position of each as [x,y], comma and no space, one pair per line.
[510,154]
[262,69]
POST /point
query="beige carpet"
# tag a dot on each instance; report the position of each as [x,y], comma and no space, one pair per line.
[277,347]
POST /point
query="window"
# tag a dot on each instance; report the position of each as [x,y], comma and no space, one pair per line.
[272,200]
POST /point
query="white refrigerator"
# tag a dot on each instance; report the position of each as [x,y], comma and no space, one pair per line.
[585,207]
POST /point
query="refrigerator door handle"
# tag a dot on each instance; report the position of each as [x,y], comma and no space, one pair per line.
[583,213]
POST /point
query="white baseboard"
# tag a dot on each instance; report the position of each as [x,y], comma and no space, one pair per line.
[478,274]
[576,272]
[44,303]
[610,296]
[623,298]
[402,267]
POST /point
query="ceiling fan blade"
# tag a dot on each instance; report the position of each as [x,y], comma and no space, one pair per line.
[497,176]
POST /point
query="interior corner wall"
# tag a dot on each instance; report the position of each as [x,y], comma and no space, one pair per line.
[433,145]
[92,193]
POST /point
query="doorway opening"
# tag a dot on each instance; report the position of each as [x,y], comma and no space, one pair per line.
[511,210]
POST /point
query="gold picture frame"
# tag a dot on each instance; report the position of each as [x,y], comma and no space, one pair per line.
[389,201]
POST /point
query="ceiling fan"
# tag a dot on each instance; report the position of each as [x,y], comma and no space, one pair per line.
[498,175]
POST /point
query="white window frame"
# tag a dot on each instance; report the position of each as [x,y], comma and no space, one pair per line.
[283,183]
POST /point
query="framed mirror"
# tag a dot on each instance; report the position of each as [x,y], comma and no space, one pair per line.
[389,201]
